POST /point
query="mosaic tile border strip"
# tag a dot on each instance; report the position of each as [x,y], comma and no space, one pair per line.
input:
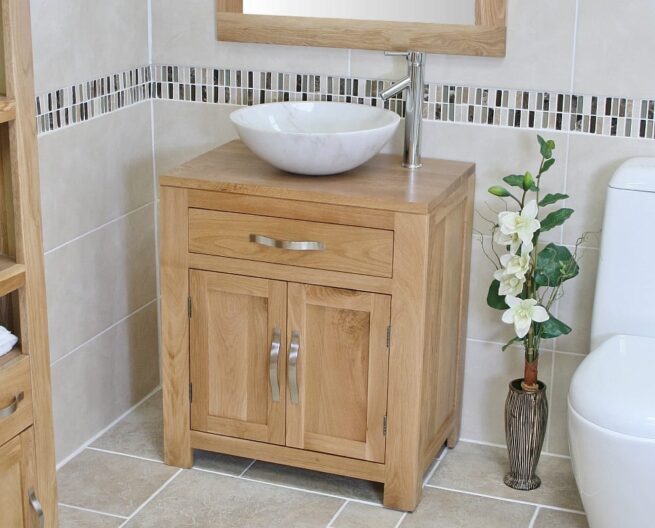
[84,101]
[539,110]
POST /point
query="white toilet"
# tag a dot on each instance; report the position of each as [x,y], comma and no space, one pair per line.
[612,394]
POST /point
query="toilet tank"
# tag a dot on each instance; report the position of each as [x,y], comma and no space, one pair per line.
[625,288]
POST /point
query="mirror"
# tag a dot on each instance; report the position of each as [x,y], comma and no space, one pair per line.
[432,11]
[455,27]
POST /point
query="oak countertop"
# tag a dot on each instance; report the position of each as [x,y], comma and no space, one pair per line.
[379,184]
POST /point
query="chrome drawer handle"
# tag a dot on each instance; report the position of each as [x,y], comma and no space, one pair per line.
[294,351]
[273,361]
[36,506]
[13,406]
[287,244]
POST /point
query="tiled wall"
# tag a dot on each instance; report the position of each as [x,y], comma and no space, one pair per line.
[98,201]
[588,90]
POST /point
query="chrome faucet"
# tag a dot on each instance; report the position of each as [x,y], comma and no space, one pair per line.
[414,83]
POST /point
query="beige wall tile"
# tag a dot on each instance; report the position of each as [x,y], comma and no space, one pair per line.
[614,43]
[103,379]
[558,438]
[110,483]
[358,515]
[74,43]
[480,469]
[186,130]
[203,499]
[592,163]
[185,33]
[99,279]
[456,510]
[84,183]
[72,518]
[488,372]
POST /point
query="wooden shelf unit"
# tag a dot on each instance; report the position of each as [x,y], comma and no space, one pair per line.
[27,457]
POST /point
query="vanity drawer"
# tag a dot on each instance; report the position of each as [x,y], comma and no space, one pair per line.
[350,249]
[15,395]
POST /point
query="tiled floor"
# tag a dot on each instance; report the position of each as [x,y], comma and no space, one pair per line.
[121,481]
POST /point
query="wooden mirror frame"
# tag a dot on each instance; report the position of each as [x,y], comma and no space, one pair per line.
[487,38]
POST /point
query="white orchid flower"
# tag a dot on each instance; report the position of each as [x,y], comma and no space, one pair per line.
[510,284]
[512,241]
[522,312]
[522,225]
[516,264]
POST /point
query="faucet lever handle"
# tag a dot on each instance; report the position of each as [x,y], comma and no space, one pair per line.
[397,53]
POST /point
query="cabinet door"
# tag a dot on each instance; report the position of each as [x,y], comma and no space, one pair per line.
[238,375]
[18,504]
[339,340]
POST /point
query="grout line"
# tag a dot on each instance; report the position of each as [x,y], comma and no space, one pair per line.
[534,517]
[99,434]
[432,471]
[89,510]
[79,237]
[112,326]
[574,50]
[402,518]
[149,8]
[334,517]
[502,446]
[504,499]
[110,452]
[149,499]
[249,466]
[293,488]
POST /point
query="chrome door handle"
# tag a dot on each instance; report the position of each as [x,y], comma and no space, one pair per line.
[294,351]
[36,506]
[13,406]
[273,361]
[287,244]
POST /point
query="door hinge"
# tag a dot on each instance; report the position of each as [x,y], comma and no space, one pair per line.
[191,392]
[389,336]
[190,306]
[384,426]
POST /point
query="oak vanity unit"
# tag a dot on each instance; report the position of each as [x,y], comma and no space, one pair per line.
[315,322]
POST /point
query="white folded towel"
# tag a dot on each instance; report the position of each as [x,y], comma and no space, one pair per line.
[7,341]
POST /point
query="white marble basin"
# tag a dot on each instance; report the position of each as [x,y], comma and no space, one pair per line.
[315,138]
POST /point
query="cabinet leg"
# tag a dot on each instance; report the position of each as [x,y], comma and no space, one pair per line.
[453,438]
[400,496]
[182,458]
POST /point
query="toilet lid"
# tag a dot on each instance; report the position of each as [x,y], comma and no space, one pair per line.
[614,387]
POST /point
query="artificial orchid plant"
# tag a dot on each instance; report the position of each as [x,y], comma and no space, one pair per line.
[529,275]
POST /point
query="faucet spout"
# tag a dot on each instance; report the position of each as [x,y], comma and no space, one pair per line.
[396,88]
[414,83]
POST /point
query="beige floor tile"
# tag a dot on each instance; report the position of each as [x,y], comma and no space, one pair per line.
[72,518]
[316,481]
[110,483]
[447,509]
[197,499]
[480,469]
[358,515]
[557,519]
[140,433]
[232,465]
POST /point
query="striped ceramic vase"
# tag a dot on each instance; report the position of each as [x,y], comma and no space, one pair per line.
[526,416]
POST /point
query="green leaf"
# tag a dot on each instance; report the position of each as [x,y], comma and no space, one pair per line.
[555,265]
[547,147]
[556,218]
[528,182]
[511,342]
[499,191]
[550,199]
[494,299]
[547,165]
[553,328]
[515,180]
